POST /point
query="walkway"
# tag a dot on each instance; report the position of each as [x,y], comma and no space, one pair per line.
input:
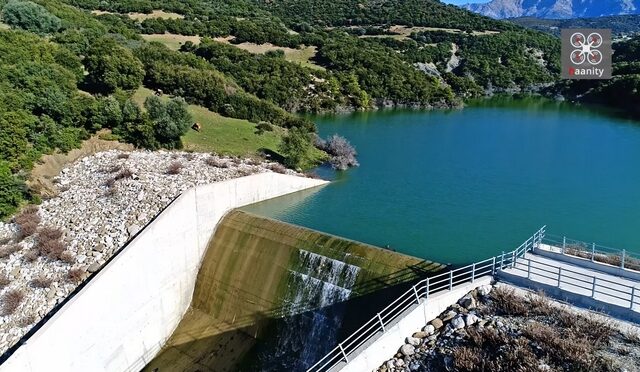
[600,288]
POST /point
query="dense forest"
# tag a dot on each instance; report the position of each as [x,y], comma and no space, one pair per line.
[71,67]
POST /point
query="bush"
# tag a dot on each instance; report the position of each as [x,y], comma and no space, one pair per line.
[343,154]
[11,301]
[27,229]
[48,243]
[295,147]
[67,257]
[4,281]
[41,282]
[8,250]
[215,162]
[75,275]
[278,168]
[174,168]
[11,191]
[30,16]
[30,255]
[124,174]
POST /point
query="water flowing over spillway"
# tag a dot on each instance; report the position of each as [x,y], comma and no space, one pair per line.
[319,282]
[271,296]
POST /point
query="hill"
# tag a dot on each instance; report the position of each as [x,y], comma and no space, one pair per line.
[555,8]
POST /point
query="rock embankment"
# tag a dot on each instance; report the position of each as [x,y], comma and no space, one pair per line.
[495,329]
[103,200]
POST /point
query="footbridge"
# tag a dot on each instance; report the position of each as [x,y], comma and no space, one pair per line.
[584,274]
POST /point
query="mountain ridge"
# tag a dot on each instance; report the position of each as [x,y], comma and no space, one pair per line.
[554,9]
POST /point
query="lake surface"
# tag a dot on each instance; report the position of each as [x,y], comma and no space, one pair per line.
[458,186]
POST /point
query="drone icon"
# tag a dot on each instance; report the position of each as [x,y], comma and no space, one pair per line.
[586,48]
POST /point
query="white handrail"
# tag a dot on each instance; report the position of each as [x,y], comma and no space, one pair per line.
[420,290]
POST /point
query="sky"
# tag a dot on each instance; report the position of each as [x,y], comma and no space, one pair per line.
[460,2]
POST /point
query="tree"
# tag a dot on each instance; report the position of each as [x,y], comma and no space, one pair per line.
[295,147]
[170,120]
[112,66]
[343,154]
[11,191]
[30,16]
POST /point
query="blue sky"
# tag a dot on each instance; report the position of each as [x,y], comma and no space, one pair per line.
[460,2]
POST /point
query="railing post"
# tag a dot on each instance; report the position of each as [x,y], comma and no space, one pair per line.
[415,290]
[528,269]
[343,353]
[513,259]
[564,244]
[622,260]
[633,293]
[473,272]
[451,280]
[502,261]
[593,288]
[381,323]
[559,276]
[427,294]
[593,252]
[493,266]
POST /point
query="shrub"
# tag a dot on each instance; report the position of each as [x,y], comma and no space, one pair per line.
[41,282]
[75,275]
[4,281]
[30,255]
[30,16]
[67,257]
[27,229]
[343,154]
[215,162]
[189,156]
[262,127]
[11,301]
[8,250]
[114,168]
[124,174]
[28,214]
[50,233]
[295,147]
[278,168]
[110,183]
[174,168]
[505,301]
[123,155]
[11,189]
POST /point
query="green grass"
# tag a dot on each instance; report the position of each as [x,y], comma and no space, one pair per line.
[171,41]
[228,136]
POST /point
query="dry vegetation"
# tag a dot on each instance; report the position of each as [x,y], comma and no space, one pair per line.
[175,168]
[547,338]
[10,301]
[611,259]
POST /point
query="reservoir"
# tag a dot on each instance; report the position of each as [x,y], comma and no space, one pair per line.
[463,185]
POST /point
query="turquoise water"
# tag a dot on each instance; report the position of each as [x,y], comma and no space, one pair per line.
[464,185]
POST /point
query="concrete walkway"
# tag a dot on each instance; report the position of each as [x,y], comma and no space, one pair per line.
[588,287]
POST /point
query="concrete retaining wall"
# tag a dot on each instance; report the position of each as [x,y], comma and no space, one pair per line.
[383,348]
[124,315]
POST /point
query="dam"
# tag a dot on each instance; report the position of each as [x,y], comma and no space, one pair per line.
[272,296]
[206,287]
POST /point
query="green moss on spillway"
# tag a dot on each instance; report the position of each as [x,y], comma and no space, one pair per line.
[245,281]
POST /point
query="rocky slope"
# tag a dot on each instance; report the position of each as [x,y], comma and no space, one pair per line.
[498,329]
[103,200]
[555,8]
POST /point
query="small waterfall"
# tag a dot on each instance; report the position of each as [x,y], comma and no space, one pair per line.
[320,283]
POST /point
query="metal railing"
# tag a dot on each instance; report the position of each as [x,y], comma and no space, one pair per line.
[593,285]
[422,290]
[595,252]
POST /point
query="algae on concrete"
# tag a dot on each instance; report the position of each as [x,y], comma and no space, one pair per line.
[243,281]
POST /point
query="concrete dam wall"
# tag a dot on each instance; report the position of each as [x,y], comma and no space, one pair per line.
[272,296]
[124,314]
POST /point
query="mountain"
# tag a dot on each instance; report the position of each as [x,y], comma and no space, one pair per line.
[620,25]
[555,8]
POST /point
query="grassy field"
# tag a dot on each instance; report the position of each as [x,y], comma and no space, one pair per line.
[172,41]
[142,16]
[403,32]
[300,56]
[220,134]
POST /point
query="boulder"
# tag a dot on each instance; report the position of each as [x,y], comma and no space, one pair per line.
[436,323]
[413,341]
[430,328]
[484,290]
[471,319]
[421,334]
[457,322]
[449,315]
[407,350]
[468,302]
